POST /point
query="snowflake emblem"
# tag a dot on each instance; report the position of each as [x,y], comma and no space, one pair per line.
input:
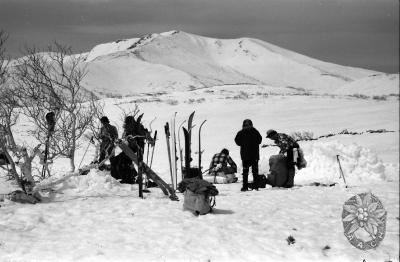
[364,221]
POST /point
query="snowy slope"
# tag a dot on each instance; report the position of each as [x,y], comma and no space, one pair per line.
[190,61]
[94,218]
[380,84]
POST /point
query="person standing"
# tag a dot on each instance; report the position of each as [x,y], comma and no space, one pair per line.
[287,145]
[249,140]
[108,134]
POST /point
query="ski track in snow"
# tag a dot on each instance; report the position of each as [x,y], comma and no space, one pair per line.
[94,218]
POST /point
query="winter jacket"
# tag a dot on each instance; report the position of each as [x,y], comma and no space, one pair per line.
[224,160]
[108,134]
[249,140]
[286,144]
[138,131]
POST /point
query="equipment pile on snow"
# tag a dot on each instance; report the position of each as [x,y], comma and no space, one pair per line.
[199,195]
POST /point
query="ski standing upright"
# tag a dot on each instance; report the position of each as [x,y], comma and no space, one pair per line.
[173,153]
[200,150]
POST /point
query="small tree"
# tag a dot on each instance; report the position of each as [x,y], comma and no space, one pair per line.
[8,103]
[52,82]
[3,59]
[8,108]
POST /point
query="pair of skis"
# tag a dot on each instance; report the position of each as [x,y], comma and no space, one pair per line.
[185,161]
[171,148]
[192,172]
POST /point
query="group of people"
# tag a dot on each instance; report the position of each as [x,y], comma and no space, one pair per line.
[135,134]
[249,140]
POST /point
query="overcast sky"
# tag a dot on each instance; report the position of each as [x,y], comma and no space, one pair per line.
[362,33]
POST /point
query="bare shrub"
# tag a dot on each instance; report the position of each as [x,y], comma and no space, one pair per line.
[242,95]
[192,100]
[302,135]
[51,81]
[360,96]
[262,94]
[172,102]
[380,98]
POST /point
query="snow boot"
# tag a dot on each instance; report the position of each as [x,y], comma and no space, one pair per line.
[255,182]
[245,182]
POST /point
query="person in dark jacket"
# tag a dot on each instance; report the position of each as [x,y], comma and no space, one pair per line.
[108,134]
[249,140]
[136,134]
[286,144]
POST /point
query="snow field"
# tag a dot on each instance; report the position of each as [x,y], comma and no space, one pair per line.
[94,218]
[86,224]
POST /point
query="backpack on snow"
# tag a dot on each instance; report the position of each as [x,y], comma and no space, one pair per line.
[199,195]
[278,169]
[300,160]
[200,204]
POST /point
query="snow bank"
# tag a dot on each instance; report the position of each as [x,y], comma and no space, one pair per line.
[95,183]
[359,164]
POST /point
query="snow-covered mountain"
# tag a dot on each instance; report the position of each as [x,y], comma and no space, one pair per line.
[176,60]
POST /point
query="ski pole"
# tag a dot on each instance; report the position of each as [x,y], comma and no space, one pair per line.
[46,152]
[147,153]
[90,141]
[140,172]
[148,146]
[167,136]
[205,171]
[152,151]
[341,170]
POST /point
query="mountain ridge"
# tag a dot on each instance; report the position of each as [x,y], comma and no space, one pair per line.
[180,61]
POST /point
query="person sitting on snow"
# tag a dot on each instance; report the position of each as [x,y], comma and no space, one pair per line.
[219,164]
[286,144]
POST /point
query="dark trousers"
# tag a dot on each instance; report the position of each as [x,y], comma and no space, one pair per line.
[105,151]
[291,173]
[254,169]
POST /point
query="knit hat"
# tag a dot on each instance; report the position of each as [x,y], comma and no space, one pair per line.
[247,122]
[104,120]
[271,133]
[225,151]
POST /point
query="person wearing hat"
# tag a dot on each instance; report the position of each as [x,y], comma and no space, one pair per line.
[249,140]
[223,163]
[286,145]
[108,134]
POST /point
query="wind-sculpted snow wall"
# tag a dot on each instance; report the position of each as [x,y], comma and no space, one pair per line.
[359,164]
